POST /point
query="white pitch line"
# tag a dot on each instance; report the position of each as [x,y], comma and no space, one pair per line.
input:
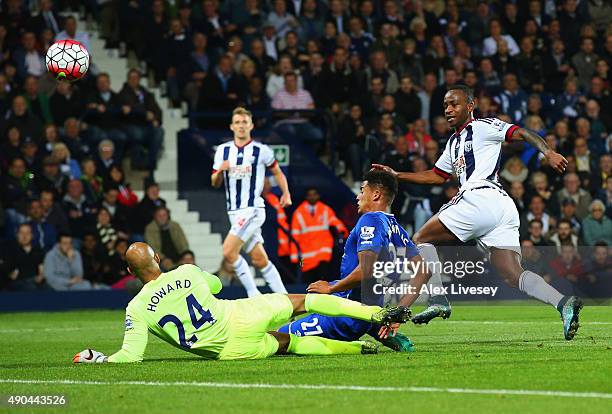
[543,393]
[525,322]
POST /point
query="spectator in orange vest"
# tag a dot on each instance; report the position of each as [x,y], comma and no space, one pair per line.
[310,227]
[283,233]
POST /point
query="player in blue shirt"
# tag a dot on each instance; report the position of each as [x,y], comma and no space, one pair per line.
[377,237]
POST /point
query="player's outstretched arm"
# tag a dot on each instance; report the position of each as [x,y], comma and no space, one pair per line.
[135,339]
[555,160]
[134,344]
[425,177]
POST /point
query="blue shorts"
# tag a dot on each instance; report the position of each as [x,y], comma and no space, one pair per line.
[341,328]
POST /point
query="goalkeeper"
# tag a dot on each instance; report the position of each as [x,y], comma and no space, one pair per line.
[179,308]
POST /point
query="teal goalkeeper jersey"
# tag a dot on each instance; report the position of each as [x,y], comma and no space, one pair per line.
[178,307]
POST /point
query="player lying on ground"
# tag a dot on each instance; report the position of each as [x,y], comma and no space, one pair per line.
[482,210]
[377,236]
[179,308]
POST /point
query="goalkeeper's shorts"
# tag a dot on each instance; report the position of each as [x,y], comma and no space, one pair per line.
[250,321]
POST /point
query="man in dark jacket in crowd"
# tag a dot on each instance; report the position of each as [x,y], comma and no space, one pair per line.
[142,118]
[81,213]
[143,213]
[24,262]
[17,188]
[103,115]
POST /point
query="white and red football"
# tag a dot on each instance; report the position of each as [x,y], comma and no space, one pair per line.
[67,60]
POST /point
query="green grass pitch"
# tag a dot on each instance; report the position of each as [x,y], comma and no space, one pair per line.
[466,364]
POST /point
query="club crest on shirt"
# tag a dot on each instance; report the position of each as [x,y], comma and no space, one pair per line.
[367,233]
[468,147]
[459,165]
[499,124]
[128,323]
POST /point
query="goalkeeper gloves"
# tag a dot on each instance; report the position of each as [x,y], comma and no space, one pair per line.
[89,356]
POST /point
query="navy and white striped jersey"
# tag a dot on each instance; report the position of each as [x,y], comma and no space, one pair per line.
[245,178]
[473,153]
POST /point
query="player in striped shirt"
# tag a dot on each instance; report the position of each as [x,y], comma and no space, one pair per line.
[241,164]
[482,210]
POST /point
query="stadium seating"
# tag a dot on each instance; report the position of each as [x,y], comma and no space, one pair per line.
[376,83]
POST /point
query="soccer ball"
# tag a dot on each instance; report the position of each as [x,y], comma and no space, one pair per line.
[67,60]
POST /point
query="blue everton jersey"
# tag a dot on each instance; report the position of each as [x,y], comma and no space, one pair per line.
[378,232]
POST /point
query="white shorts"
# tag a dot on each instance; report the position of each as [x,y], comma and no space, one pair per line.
[246,225]
[485,214]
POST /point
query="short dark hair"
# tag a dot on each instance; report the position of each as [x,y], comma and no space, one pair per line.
[159,208]
[469,92]
[566,221]
[535,220]
[63,235]
[186,252]
[379,178]
[151,184]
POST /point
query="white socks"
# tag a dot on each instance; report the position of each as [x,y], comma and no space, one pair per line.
[536,287]
[430,256]
[246,277]
[273,278]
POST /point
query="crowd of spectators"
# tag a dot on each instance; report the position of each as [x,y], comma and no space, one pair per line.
[67,214]
[380,69]
[78,241]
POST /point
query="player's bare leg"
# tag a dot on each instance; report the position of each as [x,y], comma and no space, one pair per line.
[432,232]
[231,253]
[260,260]
[507,263]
